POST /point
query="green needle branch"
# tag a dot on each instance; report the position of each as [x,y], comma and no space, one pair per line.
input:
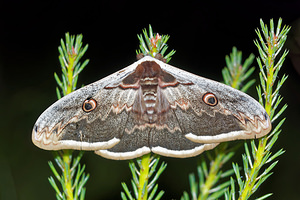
[236,73]
[154,44]
[143,186]
[143,179]
[260,157]
[209,186]
[73,178]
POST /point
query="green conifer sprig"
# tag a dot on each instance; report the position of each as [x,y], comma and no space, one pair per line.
[70,53]
[258,160]
[236,73]
[154,44]
[209,186]
[72,178]
[212,179]
[144,177]
[73,170]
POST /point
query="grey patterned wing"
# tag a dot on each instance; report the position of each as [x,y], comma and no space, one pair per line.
[91,118]
[209,111]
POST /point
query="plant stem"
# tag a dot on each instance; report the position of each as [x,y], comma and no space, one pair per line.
[262,142]
[270,70]
[251,180]
[67,158]
[67,153]
[144,176]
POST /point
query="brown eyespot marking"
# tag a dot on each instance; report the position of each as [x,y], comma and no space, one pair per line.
[89,105]
[210,99]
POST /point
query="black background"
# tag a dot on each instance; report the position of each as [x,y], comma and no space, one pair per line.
[202,34]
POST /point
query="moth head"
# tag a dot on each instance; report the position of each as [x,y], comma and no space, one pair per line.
[157,56]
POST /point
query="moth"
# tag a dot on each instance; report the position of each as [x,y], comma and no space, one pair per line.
[150,106]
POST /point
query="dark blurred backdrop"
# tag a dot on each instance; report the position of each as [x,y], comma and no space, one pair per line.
[202,32]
